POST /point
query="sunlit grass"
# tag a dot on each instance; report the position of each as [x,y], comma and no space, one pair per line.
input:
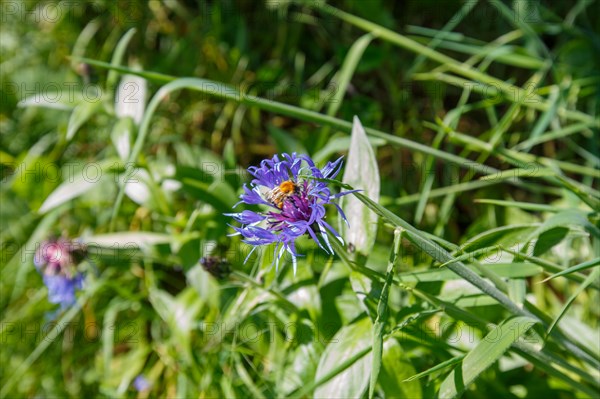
[475,270]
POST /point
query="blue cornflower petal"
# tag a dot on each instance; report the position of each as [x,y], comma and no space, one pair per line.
[332,168]
[61,289]
[246,217]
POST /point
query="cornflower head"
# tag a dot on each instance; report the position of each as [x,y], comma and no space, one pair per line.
[291,190]
[56,260]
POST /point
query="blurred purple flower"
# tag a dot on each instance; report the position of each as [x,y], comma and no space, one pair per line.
[57,260]
[295,202]
[140,383]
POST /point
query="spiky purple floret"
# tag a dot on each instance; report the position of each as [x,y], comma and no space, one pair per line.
[302,212]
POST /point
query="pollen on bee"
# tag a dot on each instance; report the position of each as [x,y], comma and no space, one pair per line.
[287,187]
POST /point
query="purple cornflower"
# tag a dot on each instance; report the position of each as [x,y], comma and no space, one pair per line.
[295,203]
[57,260]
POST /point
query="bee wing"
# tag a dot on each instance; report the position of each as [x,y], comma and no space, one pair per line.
[270,194]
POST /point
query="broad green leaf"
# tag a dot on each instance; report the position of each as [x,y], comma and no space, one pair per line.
[568,217]
[488,351]
[81,114]
[47,101]
[395,368]
[121,135]
[301,371]
[88,178]
[204,284]
[548,239]
[469,300]
[137,186]
[353,381]
[130,99]
[361,173]
[367,291]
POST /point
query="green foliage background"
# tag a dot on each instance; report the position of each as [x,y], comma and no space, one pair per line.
[484,120]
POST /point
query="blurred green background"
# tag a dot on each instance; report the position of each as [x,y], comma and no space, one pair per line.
[150,309]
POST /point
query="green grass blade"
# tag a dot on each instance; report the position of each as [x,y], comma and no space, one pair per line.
[51,336]
[545,362]
[488,351]
[380,321]
[441,255]
[440,35]
[343,77]
[453,65]
[528,206]
[593,277]
[117,59]
[506,270]
[552,135]
[573,269]
[548,266]
[226,92]
[436,368]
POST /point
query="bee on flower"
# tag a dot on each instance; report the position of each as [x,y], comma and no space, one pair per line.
[291,190]
[56,260]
